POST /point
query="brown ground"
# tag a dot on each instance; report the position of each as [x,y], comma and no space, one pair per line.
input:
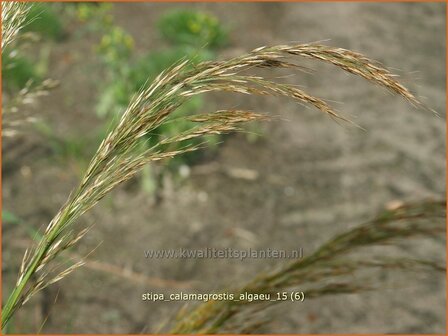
[315,178]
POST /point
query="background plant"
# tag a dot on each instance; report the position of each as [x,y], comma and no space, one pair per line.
[40,21]
[192,28]
[339,266]
[191,35]
[23,81]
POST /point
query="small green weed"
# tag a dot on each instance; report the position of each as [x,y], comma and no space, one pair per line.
[192,28]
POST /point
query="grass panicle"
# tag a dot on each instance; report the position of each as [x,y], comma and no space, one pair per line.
[14,14]
[334,268]
[15,114]
[120,155]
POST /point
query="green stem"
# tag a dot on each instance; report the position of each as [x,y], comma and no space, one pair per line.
[16,295]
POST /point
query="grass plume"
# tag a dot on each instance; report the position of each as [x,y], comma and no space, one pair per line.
[334,268]
[15,114]
[120,155]
[13,17]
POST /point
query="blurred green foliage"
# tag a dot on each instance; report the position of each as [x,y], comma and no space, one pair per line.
[97,15]
[131,77]
[127,73]
[192,28]
[68,146]
[42,19]
[115,47]
[9,218]
[18,69]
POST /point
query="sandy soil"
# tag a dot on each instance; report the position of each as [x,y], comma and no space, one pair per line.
[315,178]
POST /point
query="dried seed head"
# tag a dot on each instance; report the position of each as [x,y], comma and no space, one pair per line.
[120,156]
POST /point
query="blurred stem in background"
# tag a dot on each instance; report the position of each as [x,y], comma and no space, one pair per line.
[336,267]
